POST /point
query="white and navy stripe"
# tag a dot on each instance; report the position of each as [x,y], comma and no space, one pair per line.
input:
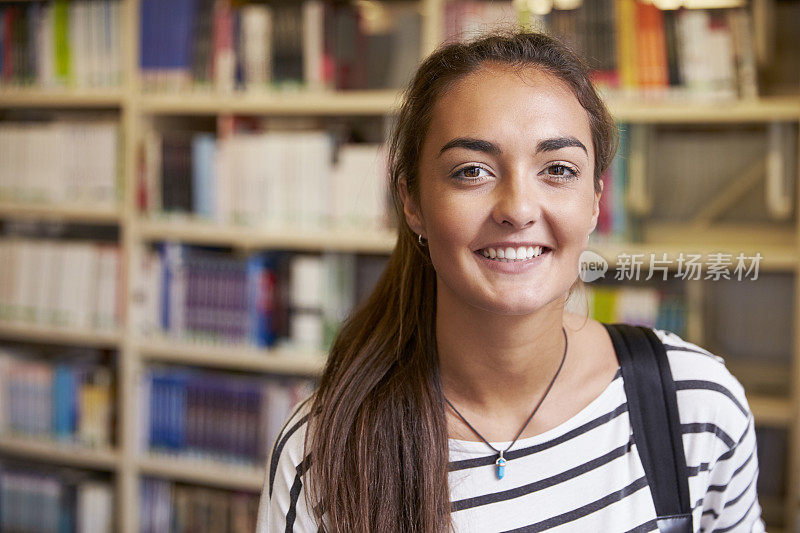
[585,474]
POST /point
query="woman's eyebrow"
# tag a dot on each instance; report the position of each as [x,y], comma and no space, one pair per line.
[477,145]
[556,143]
[480,145]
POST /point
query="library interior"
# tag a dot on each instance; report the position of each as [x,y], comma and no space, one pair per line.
[136,131]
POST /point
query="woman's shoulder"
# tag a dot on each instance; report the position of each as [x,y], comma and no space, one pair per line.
[709,396]
[282,506]
[290,441]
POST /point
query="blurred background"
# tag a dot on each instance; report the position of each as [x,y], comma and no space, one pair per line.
[193,196]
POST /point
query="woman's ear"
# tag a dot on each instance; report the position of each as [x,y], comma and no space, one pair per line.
[596,207]
[411,209]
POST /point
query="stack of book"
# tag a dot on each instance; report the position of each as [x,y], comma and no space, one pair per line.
[635,48]
[61,43]
[267,299]
[265,179]
[52,500]
[214,415]
[62,284]
[61,162]
[316,44]
[69,399]
[167,506]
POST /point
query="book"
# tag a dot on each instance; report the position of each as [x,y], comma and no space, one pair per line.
[216,416]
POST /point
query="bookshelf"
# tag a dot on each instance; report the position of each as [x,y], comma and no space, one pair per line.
[137,108]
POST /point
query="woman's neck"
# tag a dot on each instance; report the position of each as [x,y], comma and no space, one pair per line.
[497,363]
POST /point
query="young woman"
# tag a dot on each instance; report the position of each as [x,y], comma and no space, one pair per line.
[464,358]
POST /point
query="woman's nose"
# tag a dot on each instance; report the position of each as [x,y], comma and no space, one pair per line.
[516,202]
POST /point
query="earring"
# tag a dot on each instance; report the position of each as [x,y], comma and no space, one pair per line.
[423,242]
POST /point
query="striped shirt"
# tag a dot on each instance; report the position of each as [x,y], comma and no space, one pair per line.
[583,475]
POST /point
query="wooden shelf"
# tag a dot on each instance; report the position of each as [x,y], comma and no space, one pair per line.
[55,335]
[69,213]
[226,475]
[379,102]
[59,97]
[771,411]
[681,111]
[253,238]
[233,357]
[61,453]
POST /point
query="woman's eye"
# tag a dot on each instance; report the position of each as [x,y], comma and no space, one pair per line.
[471,173]
[562,172]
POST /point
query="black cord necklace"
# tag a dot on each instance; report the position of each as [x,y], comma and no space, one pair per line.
[501,461]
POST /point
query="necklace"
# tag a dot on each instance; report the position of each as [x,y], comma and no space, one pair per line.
[501,461]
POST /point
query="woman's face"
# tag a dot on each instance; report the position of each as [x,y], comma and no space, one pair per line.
[506,170]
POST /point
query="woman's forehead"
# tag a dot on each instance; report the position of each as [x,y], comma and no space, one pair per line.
[508,103]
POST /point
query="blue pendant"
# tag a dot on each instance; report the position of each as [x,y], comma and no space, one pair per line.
[501,467]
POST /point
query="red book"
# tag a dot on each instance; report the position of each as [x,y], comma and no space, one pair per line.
[651,47]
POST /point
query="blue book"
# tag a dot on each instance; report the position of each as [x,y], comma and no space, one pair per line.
[173,34]
[157,411]
[148,17]
[260,293]
[64,402]
[204,178]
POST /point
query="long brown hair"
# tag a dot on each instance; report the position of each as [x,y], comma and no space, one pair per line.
[377,436]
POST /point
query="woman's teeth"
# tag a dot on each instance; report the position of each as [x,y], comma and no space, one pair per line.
[509,254]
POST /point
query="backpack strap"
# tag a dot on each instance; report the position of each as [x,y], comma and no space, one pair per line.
[653,411]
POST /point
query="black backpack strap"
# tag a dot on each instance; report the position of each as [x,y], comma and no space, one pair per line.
[653,411]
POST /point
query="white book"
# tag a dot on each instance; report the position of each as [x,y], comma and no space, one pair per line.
[94,513]
[251,171]
[177,291]
[39,180]
[77,37]
[256,43]
[224,173]
[360,186]
[87,284]
[93,29]
[51,280]
[69,286]
[320,176]
[116,48]
[60,296]
[5,163]
[46,255]
[16,160]
[51,161]
[274,183]
[105,306]
[637,305]
[11,308]
[693,54]
[105,163]
[313,43]
[306,278]
[45,66]
[721,54]
[4,380]
[26,281]
[6,279]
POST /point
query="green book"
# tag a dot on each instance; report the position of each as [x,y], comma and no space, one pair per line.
[61,41]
